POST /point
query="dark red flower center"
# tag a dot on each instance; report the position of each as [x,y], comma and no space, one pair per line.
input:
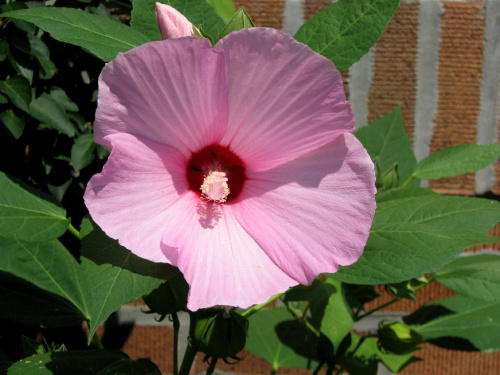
[216,173]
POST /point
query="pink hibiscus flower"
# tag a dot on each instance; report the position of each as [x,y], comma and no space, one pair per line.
[232,163]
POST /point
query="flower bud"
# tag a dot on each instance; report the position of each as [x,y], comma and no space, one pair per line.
[398,338]
[219,333]
[172,23]
[388,179]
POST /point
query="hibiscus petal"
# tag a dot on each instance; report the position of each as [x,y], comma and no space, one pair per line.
[129,199]
[314,213]
[172,91]
[172,23]
[222,264]
[284,99]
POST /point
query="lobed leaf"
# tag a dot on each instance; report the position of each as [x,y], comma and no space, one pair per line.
[347,29]
[114,275]
[103,37]
[25,303]
[29,214]
[327,302]
[46,264]
[263,341]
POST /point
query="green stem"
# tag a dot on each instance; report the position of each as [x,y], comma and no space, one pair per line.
[211,368]
[298,314]
[177,324]
[97,341]
[378,308]
[187,361]
[74,232]
[318,368]
[416,289]
[257,308]
[407,182]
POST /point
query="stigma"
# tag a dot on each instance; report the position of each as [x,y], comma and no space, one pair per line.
[215,187]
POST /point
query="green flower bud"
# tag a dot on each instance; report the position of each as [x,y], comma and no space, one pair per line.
[169,298]
[389,179]
[398,338]
[219,333]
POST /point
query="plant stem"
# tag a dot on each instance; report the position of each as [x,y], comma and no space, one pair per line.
[257,308]
[318,368]
[407,182]
[211,368]
[416,289]
[97,341]
[74,231]
[299,315]
[177,324]
[187,361]
[378,308]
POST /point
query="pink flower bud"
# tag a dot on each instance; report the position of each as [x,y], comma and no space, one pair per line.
[172,23]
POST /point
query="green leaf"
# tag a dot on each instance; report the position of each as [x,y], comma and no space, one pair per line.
[471,214]
[60,96]
[347,29]
[28,213]
[77,362]
[199,13]
[457,160]
[401,193]
[239,21]
[363,355]
[4,48]
[144,18]
[3,99]
[473,276]
[25,303]
[14,123]
[330,313]
[263,342]
[386,139]
[35,47]
[103,37]
[419,234]
[47,110]
[82,152]
[114,275]
[23,65]
[46,264]
[18,90]
[475,321]
[22,25]
[399,252]
[224,8]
